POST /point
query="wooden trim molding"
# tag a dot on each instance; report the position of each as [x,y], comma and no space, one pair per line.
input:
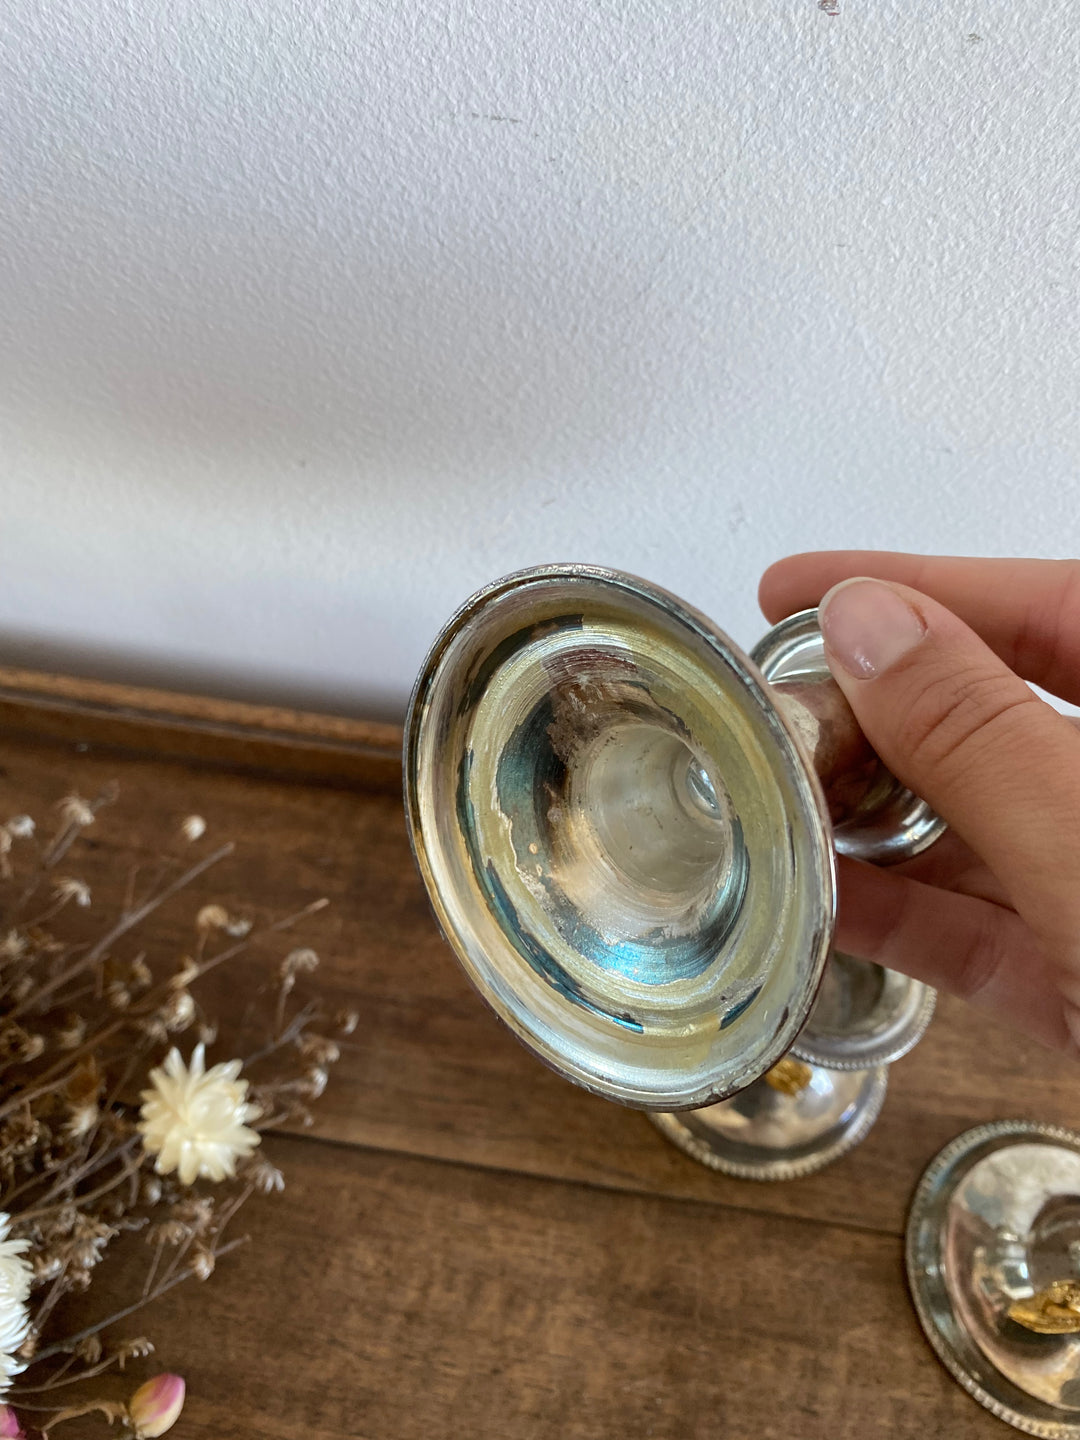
[95,714]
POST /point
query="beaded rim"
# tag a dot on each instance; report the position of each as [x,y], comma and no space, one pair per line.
[926,1196]
[675,1130]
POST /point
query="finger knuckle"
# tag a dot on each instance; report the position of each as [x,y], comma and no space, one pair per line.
[1045,635]
[981,958]
[954,718]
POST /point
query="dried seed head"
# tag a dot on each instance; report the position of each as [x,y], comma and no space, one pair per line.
[67,888]
[72,1031]
[238,927]
[88,1349]
[153,1027]
[347,1021]
[265,1177]
[149,1190]
[12,946]
[28,1349]
[196,1211]
[211,917]
[318,1049]
[139,973]
[207,1033]
[81,1121]
[314,1082]
[46,1266]
[135,1349]
[297,961]
[20,1133]
[193,828]
[74,810]
[17,1047]
[202,1262]
[169,1232]
[178,1011]
[20,827]
[117,995]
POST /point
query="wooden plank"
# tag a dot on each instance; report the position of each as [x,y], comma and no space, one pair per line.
[392,1297]
[430,1071]
[198,728]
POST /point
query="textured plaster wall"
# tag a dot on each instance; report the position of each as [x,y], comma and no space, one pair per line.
[317,314]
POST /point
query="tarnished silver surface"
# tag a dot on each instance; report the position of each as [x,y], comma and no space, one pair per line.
[874,817]
[864,1015]
[995,1220]
[768,1134]
[622,834]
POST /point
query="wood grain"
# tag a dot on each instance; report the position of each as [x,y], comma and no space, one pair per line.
[199,728]
[413,1299]
[469,1244]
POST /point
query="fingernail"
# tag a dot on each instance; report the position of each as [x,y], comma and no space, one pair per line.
[868,627]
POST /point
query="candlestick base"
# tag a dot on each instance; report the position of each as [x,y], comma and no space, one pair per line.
[993,1257]
[766,1132]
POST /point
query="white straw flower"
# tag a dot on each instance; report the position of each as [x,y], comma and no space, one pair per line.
[15,1277]
[193,1119]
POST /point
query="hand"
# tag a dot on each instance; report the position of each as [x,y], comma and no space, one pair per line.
[933,663]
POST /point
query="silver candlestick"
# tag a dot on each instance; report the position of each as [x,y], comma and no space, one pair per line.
[627,828]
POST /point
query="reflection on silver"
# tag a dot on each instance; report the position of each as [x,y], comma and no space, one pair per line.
[864,1015]
[996,1219]
[769,1134]
[874,817]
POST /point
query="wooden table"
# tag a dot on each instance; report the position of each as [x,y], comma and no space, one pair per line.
[468,1246]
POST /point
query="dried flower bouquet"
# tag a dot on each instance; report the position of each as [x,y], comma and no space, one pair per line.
[86,1028]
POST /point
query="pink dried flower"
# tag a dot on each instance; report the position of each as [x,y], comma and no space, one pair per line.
[10,1429]
[155,1407]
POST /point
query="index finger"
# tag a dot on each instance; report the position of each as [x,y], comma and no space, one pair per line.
[1027,611]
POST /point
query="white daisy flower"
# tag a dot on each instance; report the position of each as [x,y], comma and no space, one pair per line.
[193,1119]
[15,1277]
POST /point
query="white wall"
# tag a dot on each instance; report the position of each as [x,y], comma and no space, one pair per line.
[318,314]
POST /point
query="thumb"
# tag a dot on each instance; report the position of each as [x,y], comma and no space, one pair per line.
[961,730]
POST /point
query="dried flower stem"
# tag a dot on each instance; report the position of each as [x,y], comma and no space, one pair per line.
[127,921]
[129,1169]
[79,1020]
[55,1382]
[70,1340]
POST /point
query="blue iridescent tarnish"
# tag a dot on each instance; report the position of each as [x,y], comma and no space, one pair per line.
[543,963]
[530,776]
[740,1009]
[527,946]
